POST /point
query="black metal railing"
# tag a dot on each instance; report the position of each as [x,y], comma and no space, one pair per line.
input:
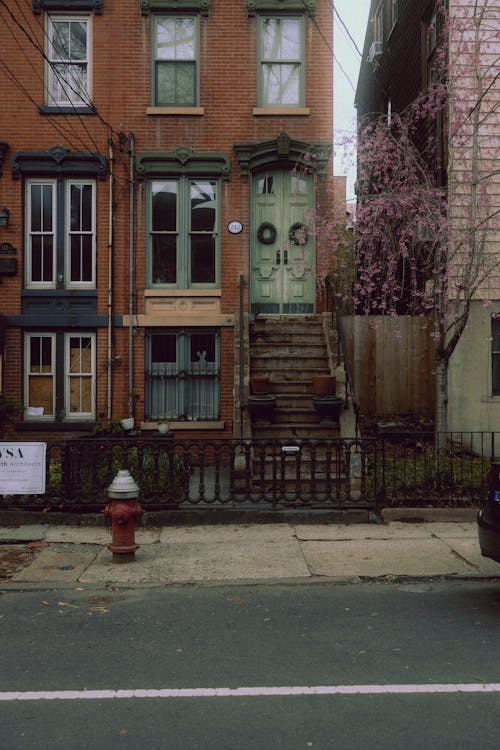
[342,350]
[339,473]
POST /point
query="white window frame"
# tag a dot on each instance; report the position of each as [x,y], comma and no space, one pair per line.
[61,248]
[71,97]
[378,23]
[90,284]
[69,376]
[29,373]
[156,60]
[30,234]
[263,62]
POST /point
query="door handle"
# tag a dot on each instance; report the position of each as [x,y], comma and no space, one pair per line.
[278,257]
[285,258]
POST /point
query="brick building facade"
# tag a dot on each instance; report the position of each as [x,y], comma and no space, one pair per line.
[157,158]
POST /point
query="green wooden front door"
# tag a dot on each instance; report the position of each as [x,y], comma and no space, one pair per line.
[282,247]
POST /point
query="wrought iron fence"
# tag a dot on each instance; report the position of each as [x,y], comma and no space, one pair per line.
[339,473]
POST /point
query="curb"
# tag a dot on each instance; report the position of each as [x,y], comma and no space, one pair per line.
[428,515]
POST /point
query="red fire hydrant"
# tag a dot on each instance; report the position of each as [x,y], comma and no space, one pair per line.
[123,510]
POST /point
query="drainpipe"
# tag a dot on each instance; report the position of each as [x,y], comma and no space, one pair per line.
[131,405]
[110,281]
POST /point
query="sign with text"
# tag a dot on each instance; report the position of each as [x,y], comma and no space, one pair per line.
[22,468]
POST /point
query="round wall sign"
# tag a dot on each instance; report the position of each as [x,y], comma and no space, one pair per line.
[235,227]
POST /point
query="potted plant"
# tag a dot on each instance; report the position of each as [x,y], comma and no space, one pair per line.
[163,426]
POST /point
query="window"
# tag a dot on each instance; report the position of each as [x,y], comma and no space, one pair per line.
[68,72]
[182,375]
[394,12]
[495,355]
[175,61]
[67,259]
[183,233]
[281,75]
[378,24]
[53,393]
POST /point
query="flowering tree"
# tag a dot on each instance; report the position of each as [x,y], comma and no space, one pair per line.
[428,211]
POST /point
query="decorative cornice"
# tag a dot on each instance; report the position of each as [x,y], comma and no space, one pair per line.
[95,5]
[4,147]
[271,6]
[182,161]
[197,6]
[59,161]
[285,151]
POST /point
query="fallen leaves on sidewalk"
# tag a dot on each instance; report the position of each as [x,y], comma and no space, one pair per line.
[13,558]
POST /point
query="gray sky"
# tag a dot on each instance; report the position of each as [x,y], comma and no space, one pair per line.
[354,14]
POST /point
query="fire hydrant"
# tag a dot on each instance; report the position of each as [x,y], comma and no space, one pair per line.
[123,510]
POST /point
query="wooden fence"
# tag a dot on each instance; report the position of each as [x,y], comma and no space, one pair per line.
[392,364]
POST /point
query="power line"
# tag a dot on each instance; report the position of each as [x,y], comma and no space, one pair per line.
[341,67]
[332,2]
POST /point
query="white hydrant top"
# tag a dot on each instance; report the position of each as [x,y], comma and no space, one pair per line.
[123,486]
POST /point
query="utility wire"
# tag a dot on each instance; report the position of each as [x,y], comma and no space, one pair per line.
[341,20]
[341,67]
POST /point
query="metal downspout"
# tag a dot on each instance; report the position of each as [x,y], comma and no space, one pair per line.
[131,404]
[110,283]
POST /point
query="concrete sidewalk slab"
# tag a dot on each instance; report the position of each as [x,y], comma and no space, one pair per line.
[363,531]
[96,535]
[27,533]
[469,550]
[182,563]
[396,557]
[275,532]
[57,565]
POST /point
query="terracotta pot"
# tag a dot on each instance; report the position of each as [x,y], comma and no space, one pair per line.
[324,385]
[260,384]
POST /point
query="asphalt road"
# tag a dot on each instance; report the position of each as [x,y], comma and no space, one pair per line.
[271,648]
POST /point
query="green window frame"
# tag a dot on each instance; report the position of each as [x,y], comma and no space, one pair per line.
[184,246]
[182,378]
[495,355]
[175,60]
[281,79]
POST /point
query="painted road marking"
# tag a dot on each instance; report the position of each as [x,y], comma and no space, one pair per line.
[76,695]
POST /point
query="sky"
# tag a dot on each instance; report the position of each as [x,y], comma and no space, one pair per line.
[354,14]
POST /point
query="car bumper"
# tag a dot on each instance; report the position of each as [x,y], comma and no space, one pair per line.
[489,538]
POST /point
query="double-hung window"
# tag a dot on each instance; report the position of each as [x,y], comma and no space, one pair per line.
[182,374]
[68,61]
[60,233]
[175,61]
[281,60]
[54,392]
[183,236]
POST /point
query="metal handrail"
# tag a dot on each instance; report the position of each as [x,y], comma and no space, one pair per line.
[341,345]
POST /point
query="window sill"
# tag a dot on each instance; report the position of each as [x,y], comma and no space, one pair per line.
[46,426]
[53,109]
[216,425]
[196,111]
[281,111]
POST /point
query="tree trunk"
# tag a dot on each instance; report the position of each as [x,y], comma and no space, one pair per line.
[441,420]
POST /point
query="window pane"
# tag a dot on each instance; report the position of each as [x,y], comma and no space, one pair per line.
[176,39]
[163,348]
[203,206]
[80,371]
[202,348]
[265,185]
[175,84]
[281,84]
[40,394]
[202,259]
[164,259]
[81,208]
[40,379]
[164,206]
[41,258]
[281,39]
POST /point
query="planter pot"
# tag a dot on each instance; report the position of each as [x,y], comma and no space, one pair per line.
[163,428]
[328,408]
[128,423]
[262,406]
[324,385]
[260,384]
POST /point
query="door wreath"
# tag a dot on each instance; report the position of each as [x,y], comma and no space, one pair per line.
[266,233]
[298,234]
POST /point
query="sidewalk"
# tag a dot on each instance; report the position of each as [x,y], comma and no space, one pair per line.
[53,556]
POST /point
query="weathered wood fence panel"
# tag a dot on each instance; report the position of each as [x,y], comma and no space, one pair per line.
[392,364]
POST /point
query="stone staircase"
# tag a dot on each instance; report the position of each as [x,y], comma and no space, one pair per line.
[290,350]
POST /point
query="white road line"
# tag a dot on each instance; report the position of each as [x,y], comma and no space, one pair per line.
[76,695]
